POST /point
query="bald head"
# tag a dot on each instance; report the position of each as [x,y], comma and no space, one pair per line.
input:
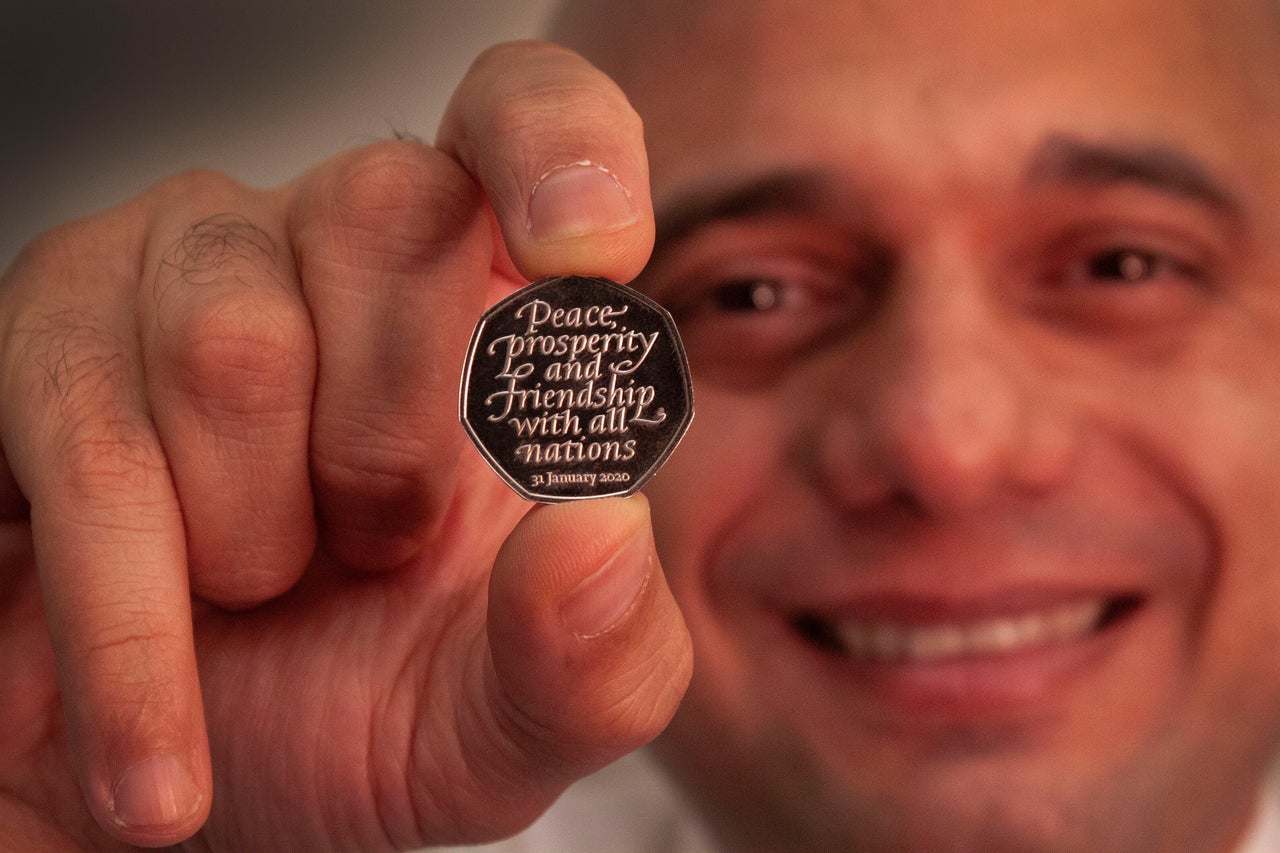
[617,35]
[678,60]
[627,39]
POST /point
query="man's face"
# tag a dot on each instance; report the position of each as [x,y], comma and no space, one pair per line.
[976,527]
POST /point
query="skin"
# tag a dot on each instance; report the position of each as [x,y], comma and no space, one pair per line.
[1015,350]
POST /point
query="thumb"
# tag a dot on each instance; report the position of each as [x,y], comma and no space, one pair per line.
[590,655]
[560,154]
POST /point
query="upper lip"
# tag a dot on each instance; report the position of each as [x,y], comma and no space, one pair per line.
[931,579]
[924,591]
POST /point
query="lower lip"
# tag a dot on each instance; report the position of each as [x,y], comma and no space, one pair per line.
[1012,686]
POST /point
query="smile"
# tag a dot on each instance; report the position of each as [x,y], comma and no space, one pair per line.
[889,641]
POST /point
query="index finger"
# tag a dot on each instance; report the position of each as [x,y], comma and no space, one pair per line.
[560,154]
[107,530]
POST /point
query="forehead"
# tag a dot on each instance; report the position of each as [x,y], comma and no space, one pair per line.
[728,86]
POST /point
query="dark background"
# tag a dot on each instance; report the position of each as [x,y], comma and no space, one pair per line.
[99,100]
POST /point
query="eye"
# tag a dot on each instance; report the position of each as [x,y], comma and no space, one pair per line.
[763,312]
[747,295]
[1131,266]
[1127,282]
[777,292]
[1123,265]
[754,296]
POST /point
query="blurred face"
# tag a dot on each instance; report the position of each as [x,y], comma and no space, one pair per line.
[976,526]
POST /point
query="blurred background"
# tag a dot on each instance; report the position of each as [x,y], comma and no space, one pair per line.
[99,100]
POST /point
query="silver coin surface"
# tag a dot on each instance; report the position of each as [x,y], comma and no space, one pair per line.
[576,387]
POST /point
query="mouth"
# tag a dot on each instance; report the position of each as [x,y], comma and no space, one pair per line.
[889,640]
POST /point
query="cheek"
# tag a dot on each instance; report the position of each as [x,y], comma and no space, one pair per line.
[732,449]
[735,450]
[720,473]
[1233,444]
[1209,424]
[1220,436]
[1236,668]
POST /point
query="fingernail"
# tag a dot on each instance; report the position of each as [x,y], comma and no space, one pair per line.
[600,602]
[155,792]
[579,199]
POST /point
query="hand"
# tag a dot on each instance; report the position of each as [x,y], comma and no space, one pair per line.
[241,522]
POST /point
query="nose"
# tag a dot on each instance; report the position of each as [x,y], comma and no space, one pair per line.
[938,403]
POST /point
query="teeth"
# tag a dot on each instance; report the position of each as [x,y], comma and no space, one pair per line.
[885,641]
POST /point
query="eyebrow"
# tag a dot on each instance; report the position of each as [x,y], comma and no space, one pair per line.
[1060,159]
[1063,159]
[784,191]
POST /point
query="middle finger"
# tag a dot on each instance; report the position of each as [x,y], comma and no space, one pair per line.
[230,357]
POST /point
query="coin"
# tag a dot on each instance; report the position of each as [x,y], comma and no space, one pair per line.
[576,387]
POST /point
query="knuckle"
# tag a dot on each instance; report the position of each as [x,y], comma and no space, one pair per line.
[246,354]
[68,355]
[371,472]
[219,248]
[385,176]
[377,508]
[57,260]
[94,440]
[398,200]
[50,252]
[500,54]
[76,368]
[196,187]
[111,464]
[240,588]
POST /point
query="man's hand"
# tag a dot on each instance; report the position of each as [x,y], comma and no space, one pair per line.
[242,524]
